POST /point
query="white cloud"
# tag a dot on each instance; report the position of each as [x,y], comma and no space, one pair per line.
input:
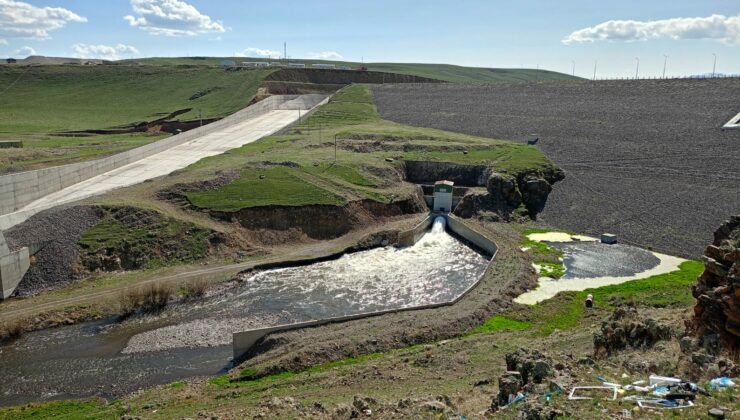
[717,27]
[105,52]
[3,42]
[258,52]
[171,18]
[24,52]
[325,55]
[23,20]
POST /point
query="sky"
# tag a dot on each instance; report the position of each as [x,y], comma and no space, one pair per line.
[613,36]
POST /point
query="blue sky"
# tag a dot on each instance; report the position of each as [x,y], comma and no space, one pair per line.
[551,34]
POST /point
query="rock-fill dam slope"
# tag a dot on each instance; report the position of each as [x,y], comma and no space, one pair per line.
[647,160]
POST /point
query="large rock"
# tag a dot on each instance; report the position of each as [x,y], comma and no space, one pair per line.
[509,385]
[534,191]
[625,328]
[533,365]
[717,292]
[503,189]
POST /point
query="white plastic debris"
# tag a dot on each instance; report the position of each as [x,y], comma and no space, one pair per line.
[663,380]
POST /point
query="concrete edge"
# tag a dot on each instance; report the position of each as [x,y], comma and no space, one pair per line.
[11,219]
[734,123]
[13,266]
[243,341]
[23,188]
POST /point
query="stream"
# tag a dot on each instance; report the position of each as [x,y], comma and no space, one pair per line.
[109,358]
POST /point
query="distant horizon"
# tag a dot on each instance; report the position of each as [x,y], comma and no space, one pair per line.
[598,77]
[619,38]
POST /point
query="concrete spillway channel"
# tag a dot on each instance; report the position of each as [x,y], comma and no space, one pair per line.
[427,268]
[25,194]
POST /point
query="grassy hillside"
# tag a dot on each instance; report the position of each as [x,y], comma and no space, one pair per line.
[301,169]
[44,99]
[38,101]
[446,72]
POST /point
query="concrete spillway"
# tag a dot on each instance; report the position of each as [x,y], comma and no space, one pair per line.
[25,194]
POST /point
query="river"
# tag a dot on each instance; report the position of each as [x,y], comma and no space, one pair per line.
[110,358]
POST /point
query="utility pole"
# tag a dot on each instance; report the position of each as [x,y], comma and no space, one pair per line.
[665,63]
[637,70]
[595,63]
[574,67]
[335,148]
[714,66]
[285,51]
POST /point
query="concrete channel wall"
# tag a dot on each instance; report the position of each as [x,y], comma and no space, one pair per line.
[21,189]
[243,341]
[13,266]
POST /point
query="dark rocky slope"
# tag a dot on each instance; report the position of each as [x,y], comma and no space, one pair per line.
[643,158]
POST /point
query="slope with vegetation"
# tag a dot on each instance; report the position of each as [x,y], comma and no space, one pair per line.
[48,108]
[454,377]
[280,188]
[447,72]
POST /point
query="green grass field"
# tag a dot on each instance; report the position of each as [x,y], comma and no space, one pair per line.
[566,310]
[45,99]
[40,101]
[280,186]
[446,72]
[313,177]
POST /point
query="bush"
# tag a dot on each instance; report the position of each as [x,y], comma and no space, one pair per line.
[196,289]
[12,329]
[151,298]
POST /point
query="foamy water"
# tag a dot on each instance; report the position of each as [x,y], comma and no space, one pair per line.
[194,339]
[436,269]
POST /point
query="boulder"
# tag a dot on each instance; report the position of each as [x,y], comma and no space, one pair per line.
[626,328]
[534,192]
[508,385]
[533,365]
[503,189]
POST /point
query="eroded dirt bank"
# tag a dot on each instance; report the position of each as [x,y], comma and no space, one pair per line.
[322,221]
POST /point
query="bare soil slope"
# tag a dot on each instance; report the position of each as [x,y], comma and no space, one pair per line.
[646,160]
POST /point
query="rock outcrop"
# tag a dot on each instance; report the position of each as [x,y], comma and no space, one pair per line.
[625,328]
[717,293]
[506,195]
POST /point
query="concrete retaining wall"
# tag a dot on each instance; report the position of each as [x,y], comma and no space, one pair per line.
[412,236]
[18,190]
[13,266]
[460,228]
[243,341]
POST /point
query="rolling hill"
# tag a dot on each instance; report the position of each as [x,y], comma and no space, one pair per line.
[445,72]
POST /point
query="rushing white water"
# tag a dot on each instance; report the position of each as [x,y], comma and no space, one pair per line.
[193,339]
[436,269]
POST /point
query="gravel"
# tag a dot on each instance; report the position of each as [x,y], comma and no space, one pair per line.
[59,230]
[207,332]
[646,160]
